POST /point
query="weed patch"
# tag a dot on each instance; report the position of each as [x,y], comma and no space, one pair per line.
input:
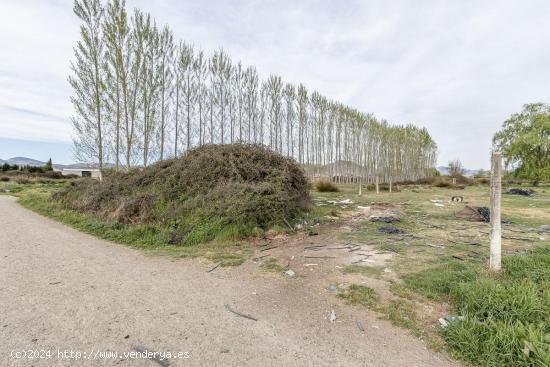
[360,295]
[506,316]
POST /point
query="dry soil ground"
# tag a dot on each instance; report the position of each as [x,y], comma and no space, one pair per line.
[64,290]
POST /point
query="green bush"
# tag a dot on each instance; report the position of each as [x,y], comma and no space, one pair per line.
[326,186]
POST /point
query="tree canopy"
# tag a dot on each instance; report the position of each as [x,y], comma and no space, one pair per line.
[525,142]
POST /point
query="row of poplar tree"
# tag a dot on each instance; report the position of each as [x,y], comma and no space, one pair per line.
[140,96]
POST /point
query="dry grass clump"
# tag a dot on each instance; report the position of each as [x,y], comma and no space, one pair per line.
[326,186]
[442,183]
[214,191]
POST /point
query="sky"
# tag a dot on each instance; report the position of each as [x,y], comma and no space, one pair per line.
[459,68]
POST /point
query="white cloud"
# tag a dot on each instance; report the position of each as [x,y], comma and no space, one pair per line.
[458,68]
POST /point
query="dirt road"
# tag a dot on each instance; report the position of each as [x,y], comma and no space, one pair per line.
[64,291]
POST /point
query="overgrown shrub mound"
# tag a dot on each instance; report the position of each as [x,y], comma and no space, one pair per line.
[215,191]
[326,186]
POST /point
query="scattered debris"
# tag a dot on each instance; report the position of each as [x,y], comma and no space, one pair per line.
[288,224]
[457,199]
[314,247]
[290,273]
[475,214]
[360,327]
[439,204]
[376,218]
[442,322]
[391,229]
[312,233]
[360,261]
[436,201]
[332,316]
[436,246]
[320,257]
[517,238]
[268,248]
[154,356]
[240,314]
[311,264]
[522,192]
[260,257]
[331,287]
[55,283]
[127,336]
[341,202]
[387,270]
[213,268]
[445,321]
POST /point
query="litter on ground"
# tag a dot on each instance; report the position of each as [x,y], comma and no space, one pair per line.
[389,219]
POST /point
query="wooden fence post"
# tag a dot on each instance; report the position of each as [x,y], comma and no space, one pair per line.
[377,189]
[390,183]
[496,231]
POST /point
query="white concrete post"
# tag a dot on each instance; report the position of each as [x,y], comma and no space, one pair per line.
[496,231]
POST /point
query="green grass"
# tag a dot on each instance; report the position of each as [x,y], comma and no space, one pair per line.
[436,283]
[360,295]
[507,315]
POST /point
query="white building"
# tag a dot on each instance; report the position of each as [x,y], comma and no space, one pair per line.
[83,172]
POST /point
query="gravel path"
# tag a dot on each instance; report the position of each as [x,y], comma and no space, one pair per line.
[62,291]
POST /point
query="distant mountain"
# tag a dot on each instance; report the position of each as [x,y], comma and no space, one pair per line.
[23,161]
